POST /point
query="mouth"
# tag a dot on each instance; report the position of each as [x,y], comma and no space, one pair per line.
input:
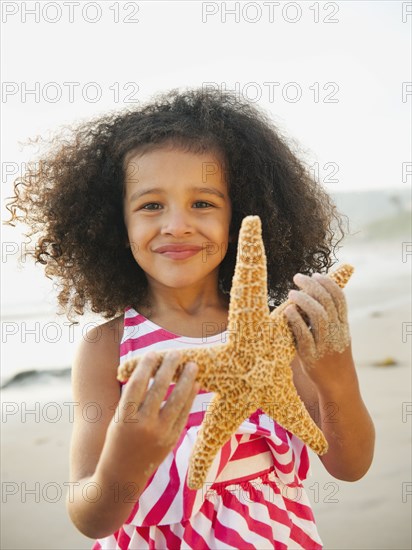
[178,252]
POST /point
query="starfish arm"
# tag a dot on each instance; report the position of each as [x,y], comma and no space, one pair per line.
[341,276]
[209,361]
[248,309]
[288,410]
[221,420]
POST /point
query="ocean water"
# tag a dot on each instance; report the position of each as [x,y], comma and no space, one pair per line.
[34,336]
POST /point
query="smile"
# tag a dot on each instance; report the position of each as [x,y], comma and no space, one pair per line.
[178,252]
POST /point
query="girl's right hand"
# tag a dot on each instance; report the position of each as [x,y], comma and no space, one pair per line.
[142,432]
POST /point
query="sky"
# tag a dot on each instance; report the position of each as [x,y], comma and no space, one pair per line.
[335,77]
[332,75]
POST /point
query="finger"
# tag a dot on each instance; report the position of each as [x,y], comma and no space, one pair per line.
[312,287]
[134,391]
[185,411]
[161,383]
[314,311]
[336,293]
[305,343]
[176,401]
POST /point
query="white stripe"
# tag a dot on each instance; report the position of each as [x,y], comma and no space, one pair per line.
[137,542]
[108,543]
[203,526]
[158,537]
[152,493]
[307,527]
[280,530]
[175,512]
[246,466]
[235,520]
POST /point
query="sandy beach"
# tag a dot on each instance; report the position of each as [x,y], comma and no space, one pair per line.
[373,513]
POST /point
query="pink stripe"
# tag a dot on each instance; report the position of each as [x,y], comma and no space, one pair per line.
[194,539]
[276,514]
[144,533]
[224,456]
[300,510]
[172,540]
[284,468]
[299,536]
[230,536]
[304,463]
[160,508]
[254,525]
[97,545]
[250,449]
[223,532]
[195,419]
[189,497]
[134,321]
[123,540]
[254,417]
[145,340]
[152,544]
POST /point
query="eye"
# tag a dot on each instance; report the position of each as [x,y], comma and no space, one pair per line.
[203,204]
[151,206]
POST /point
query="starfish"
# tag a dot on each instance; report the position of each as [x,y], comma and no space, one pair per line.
[252,369]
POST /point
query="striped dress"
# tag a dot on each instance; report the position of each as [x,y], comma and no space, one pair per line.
[253,496]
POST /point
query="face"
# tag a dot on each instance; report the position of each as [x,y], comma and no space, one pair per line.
[177,213]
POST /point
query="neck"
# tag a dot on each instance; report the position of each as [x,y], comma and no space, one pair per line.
[183,302]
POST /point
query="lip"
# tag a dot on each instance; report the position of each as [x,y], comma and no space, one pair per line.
[178,251]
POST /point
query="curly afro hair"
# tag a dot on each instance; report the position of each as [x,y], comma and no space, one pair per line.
[72,199]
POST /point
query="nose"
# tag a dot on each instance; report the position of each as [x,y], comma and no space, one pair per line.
[176,222]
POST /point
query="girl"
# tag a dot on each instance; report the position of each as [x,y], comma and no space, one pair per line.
[138,217]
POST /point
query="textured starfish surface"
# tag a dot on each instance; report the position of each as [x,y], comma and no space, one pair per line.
[252,369]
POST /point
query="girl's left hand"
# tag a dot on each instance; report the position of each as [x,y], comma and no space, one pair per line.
[322,340]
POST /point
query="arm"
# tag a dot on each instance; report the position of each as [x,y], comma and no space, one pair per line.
[112,459]
[326,378]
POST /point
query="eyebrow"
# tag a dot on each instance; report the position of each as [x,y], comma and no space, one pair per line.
[159,190]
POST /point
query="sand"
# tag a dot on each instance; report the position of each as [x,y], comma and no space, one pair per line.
[373,513]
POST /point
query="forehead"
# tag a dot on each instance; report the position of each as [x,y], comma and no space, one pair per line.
[161,163]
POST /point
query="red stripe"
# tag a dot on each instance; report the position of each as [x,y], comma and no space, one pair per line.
[304,463]
[193,538]
[195,419]
[123,540]
[254,417]
[96,545]
[222,532]
[152,544]
[172,540]
[282,435]
[300,510]
[145,340]
[165,500]
[299,536]
[254,525]
[134,321]
[224,456]
[285,468]
[230,536]
[250,448]
[276,514]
